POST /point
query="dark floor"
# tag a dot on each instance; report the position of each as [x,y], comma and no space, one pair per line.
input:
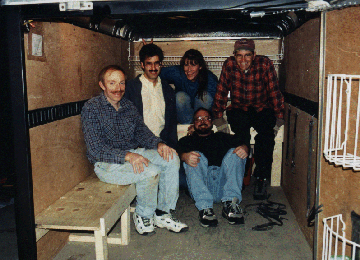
[222,242]
[8,243]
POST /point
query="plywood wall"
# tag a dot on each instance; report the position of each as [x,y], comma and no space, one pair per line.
[66,72]
[301,77]
[295,166]
[301,57]
[339,187]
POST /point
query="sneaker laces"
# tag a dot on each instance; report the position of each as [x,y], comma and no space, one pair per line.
[208,212]
[146,221]
[234,207]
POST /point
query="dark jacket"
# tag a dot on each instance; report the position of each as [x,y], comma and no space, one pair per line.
[214,146]
[133,93]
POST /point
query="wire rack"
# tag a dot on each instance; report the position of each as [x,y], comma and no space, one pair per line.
[212,62]
[342,120]
[335,244]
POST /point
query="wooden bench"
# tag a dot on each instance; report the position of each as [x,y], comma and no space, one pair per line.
[92,206]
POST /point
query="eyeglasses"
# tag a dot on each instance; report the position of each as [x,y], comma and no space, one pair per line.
[202,119]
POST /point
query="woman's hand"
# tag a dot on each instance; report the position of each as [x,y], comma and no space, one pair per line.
[145,43]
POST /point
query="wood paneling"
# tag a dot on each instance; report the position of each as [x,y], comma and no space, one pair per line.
[74,57]
[295,167]
[300,76]
[68,72]
[301,61]
[58,159]
[339,187]
[343,41]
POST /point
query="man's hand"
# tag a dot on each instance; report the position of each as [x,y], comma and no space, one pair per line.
[279,123]
[166,151]
[242,151]
[137,161]
[192,158]
[191,130]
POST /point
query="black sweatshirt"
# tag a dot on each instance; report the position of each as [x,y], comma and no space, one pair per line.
[214,146]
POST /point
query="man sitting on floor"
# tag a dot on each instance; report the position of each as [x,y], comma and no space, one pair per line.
[214,165]
[114,131]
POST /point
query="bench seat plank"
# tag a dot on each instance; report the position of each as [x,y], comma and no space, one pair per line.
[82,207]
[92,206]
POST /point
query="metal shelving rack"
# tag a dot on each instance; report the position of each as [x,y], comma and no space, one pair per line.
[335,244]
[213,62]
[342,120]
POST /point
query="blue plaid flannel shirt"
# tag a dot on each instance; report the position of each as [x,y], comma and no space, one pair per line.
[110,134]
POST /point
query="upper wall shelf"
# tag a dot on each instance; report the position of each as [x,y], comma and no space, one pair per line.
[213,62]
[341,145]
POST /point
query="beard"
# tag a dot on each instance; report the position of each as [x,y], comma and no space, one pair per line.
[203,129]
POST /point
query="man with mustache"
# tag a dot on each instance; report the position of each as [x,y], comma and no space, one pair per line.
[154,97]
[125,151]
[214,165]
[256,101]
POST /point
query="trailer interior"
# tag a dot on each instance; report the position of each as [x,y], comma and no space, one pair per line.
[51,52]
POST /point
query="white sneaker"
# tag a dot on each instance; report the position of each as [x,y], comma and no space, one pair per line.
[144,226]
[170,222]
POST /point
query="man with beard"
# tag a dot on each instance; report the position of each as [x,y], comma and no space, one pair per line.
[214,165]
[256,101]
[125,151]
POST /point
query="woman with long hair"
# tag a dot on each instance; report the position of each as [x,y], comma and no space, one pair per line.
[195,85]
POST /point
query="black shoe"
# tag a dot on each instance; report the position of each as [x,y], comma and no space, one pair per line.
[260,189]
[232,212]
[207,218]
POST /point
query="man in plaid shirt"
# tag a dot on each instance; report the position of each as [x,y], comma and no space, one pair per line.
[125,151]
[256,101]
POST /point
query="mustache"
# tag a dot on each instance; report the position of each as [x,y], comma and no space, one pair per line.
[153,70]
[117,92]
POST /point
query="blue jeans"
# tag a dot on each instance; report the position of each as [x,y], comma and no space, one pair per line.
[185,109]
[148,196]
[209,184]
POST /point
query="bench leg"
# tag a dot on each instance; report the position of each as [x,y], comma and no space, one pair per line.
[125,227]
[101,249]
[101,244]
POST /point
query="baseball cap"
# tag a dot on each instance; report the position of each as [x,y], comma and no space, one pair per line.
[244,44]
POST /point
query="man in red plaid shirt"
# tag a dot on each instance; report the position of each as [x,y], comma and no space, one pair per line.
[256,101]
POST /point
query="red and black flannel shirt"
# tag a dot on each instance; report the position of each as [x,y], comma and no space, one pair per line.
[257,88]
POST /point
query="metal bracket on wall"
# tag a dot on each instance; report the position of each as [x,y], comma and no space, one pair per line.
[310,158]
[288,136]
[47,115]
[294,144]
[76,6]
